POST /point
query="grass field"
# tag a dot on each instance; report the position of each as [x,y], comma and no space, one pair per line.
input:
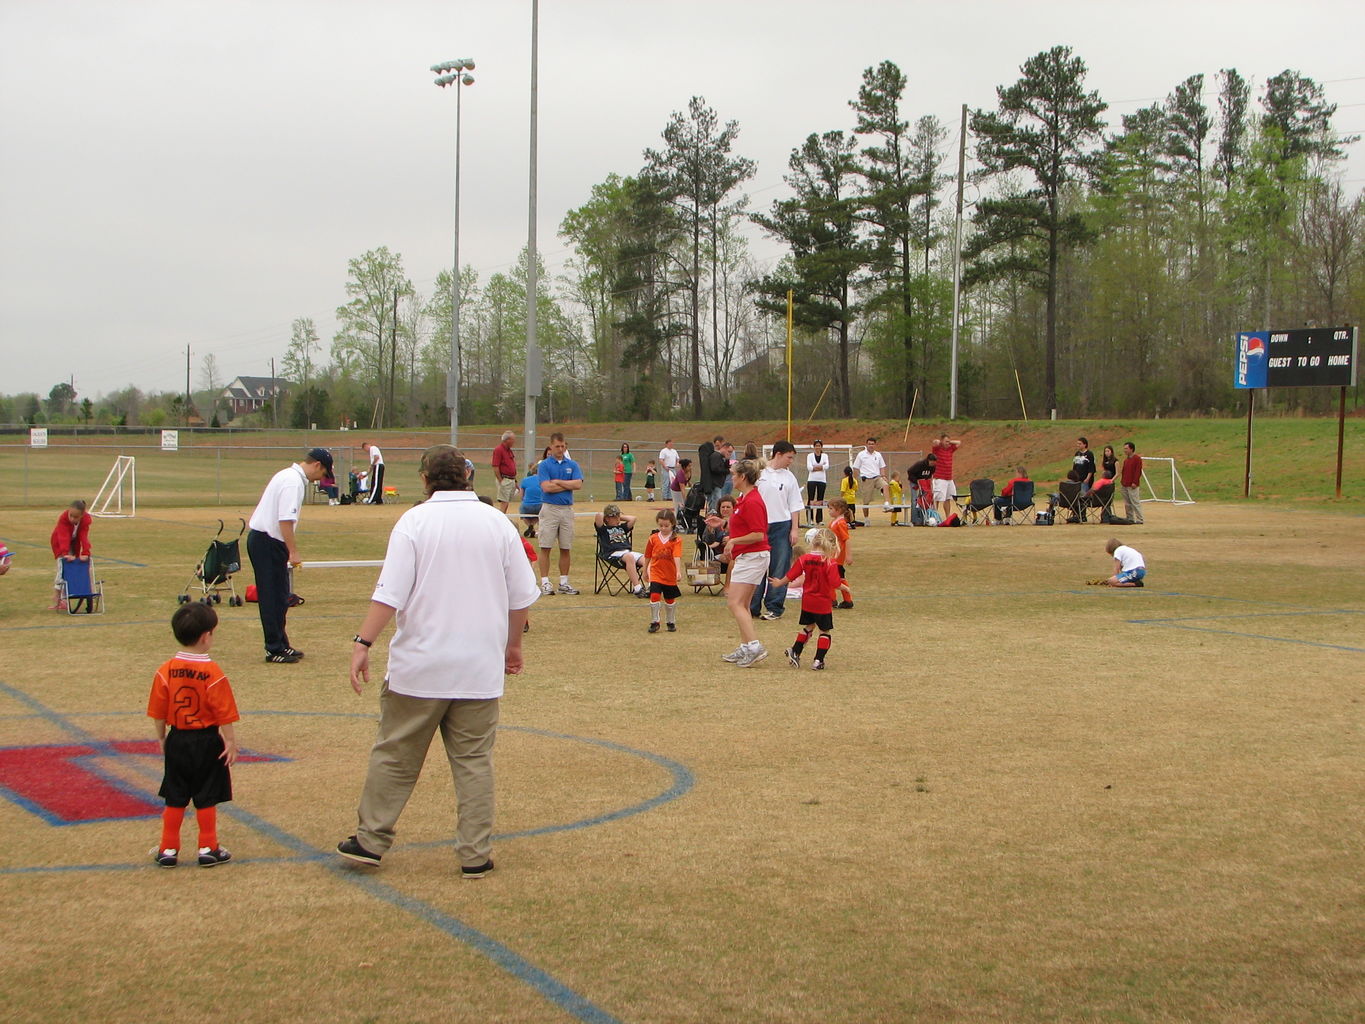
[1011,797]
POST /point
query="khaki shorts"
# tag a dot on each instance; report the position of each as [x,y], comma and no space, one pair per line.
[869,487]
[750,567]
[507,490]
[555,528]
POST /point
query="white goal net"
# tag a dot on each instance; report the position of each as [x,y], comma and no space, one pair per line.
[117,498]
[1165,483]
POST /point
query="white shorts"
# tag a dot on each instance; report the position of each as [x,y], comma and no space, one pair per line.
[750,567]
[619,557]
[944,490]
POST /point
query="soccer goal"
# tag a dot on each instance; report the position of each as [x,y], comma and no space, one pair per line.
[119,489]
[1174,489]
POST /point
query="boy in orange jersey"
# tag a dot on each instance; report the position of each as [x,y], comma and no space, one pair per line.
[841,514]
[191,694]
[663,555]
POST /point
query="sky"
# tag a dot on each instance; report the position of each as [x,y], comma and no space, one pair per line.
[176,174]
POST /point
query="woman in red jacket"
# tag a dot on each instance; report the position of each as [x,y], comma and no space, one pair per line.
[70,541]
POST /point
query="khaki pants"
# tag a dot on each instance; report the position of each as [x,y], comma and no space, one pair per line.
[1132,503]
[406,727]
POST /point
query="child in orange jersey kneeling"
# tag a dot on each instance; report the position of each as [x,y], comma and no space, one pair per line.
[191,694]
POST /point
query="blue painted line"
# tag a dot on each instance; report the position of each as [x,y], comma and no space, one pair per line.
[1250,636]
[503,956]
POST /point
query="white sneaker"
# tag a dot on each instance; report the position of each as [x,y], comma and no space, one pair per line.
[564,588]
[734,656]
[547,588]
[752,656]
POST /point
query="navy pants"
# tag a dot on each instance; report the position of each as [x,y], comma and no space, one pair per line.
[779,561]
[270,562]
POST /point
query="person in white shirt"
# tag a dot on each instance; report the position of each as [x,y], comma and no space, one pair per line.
[668,463]
[457,580]
[781,493]
[1129,566]
[870,469]
[376,472]
[817,470]
[273,548]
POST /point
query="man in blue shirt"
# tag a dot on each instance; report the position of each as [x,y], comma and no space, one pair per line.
[559,477]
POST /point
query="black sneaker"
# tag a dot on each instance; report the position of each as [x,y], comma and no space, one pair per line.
[793,658]
[212,858]
[281,658]
[654,627]
[673,626]
[166,858]
[478,871]
[294,651]
[351,849]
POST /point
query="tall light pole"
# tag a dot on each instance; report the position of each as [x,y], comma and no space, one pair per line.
[455,73]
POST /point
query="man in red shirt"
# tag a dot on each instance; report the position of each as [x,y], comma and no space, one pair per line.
[1131,480]
[945,487]
[504,463]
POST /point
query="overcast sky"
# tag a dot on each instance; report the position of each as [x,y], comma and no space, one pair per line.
[179,173]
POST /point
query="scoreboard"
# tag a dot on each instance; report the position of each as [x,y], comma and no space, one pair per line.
[1308,358]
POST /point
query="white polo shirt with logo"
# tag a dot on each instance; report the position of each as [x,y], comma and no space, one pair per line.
[869,464]
[453,569]
[280,503]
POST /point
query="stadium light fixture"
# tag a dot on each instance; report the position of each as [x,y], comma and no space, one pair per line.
[455,73]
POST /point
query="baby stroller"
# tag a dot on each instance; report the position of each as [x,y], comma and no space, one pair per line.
[693,511]
[214,572]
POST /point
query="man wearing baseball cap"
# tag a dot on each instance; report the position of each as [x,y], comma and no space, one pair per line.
[272,547]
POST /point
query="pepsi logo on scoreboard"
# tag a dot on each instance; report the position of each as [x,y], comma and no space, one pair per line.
[1306,358]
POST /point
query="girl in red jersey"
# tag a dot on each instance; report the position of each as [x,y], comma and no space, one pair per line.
[747,548]
[70,541]
[821,577]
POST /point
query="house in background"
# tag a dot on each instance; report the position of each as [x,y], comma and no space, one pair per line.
[248,394]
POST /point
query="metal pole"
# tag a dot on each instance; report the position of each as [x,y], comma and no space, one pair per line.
[790,368]
[957,260]
[453,380]
[532,352]
[1341,434]
[1246,480]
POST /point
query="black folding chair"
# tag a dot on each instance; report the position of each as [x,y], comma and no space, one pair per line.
[608,573]
[1017,509]
[981,500]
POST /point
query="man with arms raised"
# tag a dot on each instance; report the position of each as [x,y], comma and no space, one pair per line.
[945,487]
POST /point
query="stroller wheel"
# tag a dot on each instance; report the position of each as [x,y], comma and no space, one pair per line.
[217,598]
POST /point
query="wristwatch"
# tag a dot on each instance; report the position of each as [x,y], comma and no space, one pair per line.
[362,641]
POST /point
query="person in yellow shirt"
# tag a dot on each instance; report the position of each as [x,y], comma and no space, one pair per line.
[894,494]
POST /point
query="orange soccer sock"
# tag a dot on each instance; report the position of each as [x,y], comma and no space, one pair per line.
[207,818]
[171,817]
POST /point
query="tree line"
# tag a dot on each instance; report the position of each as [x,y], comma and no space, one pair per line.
[1104,269]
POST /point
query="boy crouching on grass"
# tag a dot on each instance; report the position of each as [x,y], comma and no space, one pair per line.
[191,694]
[1129,566]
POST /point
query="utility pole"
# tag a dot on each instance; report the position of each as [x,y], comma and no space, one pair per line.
[274,395]
[533,363]
[957,258]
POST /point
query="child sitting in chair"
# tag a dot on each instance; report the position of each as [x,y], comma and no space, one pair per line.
[612,530]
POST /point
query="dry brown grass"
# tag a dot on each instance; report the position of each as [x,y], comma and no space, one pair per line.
[1010,798]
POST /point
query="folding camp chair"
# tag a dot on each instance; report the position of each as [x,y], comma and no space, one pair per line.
[1101,496]
[79,588]
[1072,501]
[609,574]
[1018,507]
[980,501]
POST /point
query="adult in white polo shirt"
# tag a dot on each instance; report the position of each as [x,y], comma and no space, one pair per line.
[668,462]
[781,493]
[870,469]
[456,578]
[376,477]
[273,548]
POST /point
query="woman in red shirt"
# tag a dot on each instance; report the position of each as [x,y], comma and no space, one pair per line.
[70,541]
[747,548]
